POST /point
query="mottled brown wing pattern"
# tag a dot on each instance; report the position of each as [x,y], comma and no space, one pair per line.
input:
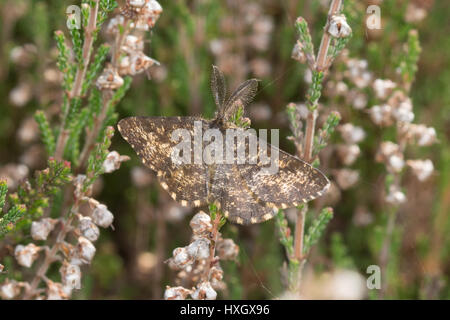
[295,182]
[150,137]
[236,202]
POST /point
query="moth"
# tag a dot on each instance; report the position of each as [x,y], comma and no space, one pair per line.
[239,190]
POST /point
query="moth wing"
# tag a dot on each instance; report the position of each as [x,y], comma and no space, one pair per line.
[293,182]
[237,203]
[150,137]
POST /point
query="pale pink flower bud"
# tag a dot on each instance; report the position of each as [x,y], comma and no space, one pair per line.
[85,250]
[339,27]
[201,223]
[199,249]
[109,80]
[346,178]
[227,249]
[427,137]
[70,275]
[176,293]
[352,134]
[381,115]
[26,255]
[422,169]
[204,291]
[348,153]
[113,161]
[56,291]
[395,196]
[181,258]
[41,229]
[102,216]
[9,289]
[88,229]
[383,88]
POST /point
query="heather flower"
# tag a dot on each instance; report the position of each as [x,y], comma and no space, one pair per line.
[348,153]
[41,229]
[422,169]
[102,216]
[395,196]
[176,293]
[88,228]
[181,258]
[339,27]
[83,253]
[9,289]
[351,133]
[201,223]
[109,80]
[199,249]
[56,291]
[70,275]
[113,161]
[383,88]
[204,291]
[227,249]
[346,178]
[26,255]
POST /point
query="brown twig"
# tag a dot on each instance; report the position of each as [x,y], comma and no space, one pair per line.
[212,247]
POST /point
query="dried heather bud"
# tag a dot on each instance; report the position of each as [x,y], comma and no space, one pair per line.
[351,134]
[389,153]
[395,196]
[357,73]
[339,27]
[176,293]
[358,100]
[297,53]
[9,289]
[70,275]
[102,216]
[201,223]
[113,24]
[346,178]
[28,131]
[136,3]
[56,291]
[26,255]
[20,95]
[383,88]
[381,115]
[133,43]
[88,228]
[199,249]
[41,229]
[109,80]
[181,258]
[425,136]
[113,161]
[227,249]
[84,252]
[348,153]
[137,62]
[422,169]
[204,291]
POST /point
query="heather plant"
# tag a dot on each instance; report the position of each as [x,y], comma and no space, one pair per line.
[367,106]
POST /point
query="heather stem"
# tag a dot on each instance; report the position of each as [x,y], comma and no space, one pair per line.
[75,92]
